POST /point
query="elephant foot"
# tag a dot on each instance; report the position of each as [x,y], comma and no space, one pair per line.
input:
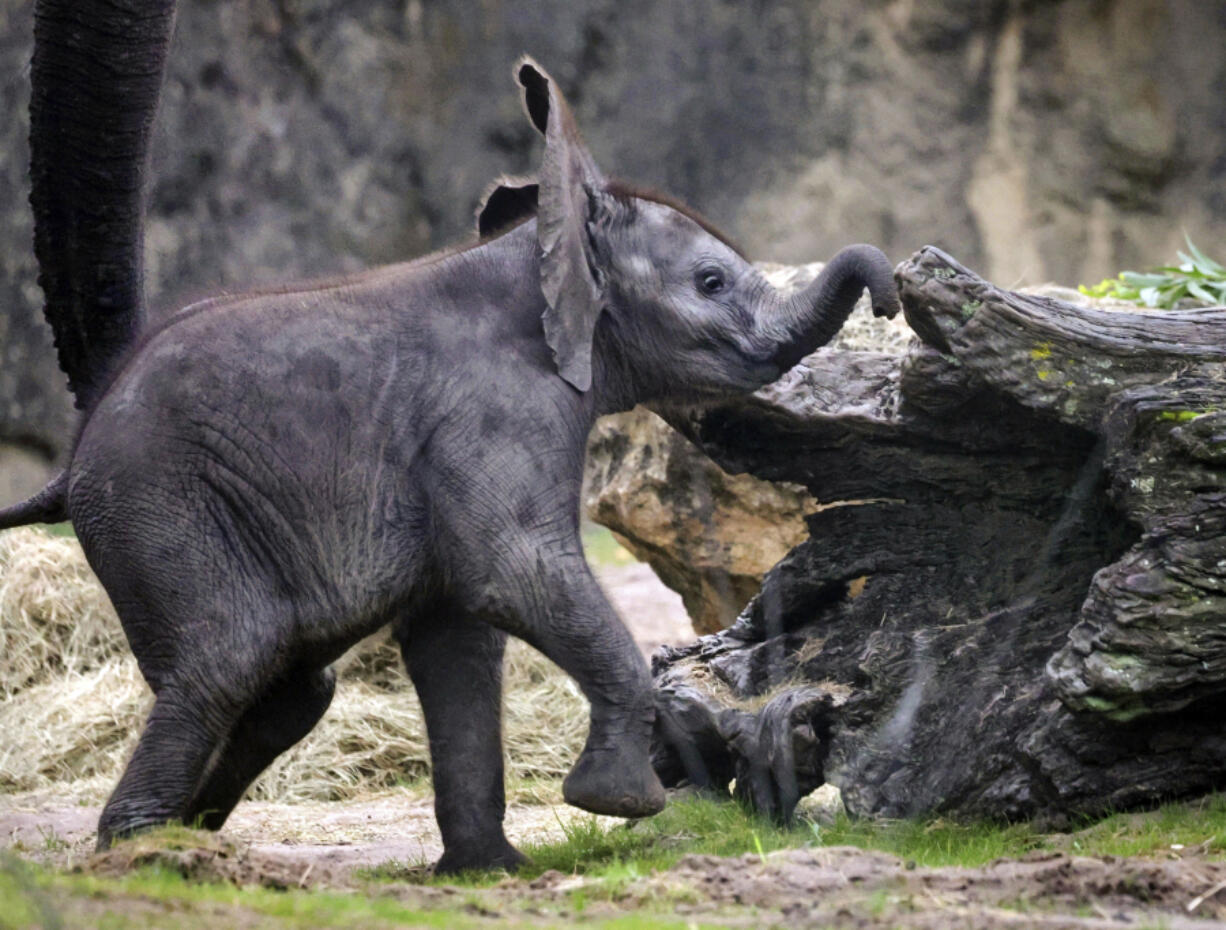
[496,855]
[607,782]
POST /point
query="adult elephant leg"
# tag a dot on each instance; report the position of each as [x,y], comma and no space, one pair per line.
[456,667]
[546,594]
[278,719]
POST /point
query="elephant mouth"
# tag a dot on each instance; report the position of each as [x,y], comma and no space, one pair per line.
[747,364]
[747,375]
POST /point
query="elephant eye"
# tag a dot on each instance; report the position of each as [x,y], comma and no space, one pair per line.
[710,281]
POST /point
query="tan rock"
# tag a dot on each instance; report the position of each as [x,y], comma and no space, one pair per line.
[709,535]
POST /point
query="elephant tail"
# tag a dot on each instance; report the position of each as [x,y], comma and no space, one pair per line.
[47,506]
[95,80]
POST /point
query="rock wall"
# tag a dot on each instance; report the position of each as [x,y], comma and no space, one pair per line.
[1062,139]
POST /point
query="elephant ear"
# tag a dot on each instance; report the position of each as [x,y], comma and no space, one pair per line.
[567,174]
[507,202]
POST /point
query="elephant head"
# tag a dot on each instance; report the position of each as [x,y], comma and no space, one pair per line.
[643,292]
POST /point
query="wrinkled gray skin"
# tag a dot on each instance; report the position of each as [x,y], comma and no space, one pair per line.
[268,478]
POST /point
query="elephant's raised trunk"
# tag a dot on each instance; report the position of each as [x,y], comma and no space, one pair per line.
[810,318]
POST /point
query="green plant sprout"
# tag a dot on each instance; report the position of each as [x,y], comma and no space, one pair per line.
[1197,278]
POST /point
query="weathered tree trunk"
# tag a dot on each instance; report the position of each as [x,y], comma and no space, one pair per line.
[1035,497]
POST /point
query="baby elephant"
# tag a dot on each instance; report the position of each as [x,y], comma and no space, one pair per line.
[262,480]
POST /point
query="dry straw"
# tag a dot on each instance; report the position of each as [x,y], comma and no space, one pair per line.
[72,700]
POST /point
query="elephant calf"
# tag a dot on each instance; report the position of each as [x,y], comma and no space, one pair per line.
[261,480]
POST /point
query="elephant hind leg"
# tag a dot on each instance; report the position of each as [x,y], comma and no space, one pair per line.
[180,737]
[196,648]
[286,712]
[456,667]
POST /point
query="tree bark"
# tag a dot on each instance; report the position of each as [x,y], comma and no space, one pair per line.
[1018,605]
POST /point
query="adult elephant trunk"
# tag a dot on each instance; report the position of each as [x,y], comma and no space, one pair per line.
[810,318]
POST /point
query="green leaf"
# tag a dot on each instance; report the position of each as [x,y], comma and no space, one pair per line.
[1196,276]
[1144,280]
[1108,287]
[1169,296]
[1203,294]
[1210,267]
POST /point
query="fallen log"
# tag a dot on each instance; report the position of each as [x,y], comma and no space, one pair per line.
[1016,606]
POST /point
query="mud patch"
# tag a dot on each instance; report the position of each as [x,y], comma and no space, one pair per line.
[847,887]
[843,886]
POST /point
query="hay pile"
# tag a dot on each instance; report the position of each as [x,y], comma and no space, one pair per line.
[72,701]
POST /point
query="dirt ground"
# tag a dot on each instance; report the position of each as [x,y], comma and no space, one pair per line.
[333,838]
[328,846]
[842,886]
[800,888]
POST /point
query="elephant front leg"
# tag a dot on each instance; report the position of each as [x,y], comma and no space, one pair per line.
[551,600]
[456,667]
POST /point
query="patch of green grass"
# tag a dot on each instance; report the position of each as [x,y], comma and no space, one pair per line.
[61,529]
[1192,827]
[1197,827]
[1197,278]
[689,825]
[601,548]
[161,898]
[293,908]
[22,902]
[932,842]
[616,854]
